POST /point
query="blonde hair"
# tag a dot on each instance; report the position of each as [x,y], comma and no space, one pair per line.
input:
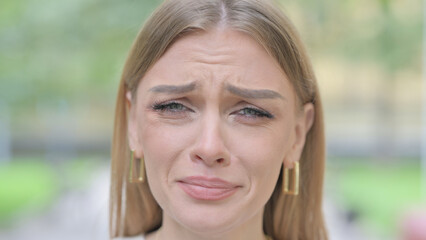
[133,210]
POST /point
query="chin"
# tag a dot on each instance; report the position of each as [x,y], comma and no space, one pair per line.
[208,225]
[212,219]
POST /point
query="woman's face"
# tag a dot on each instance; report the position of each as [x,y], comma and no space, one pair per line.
[215,118]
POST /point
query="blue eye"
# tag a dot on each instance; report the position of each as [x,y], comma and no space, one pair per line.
[170,107]
[254,113]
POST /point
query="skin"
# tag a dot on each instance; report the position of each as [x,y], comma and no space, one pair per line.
[216,105]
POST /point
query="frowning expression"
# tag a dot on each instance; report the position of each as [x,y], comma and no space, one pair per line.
[215,118]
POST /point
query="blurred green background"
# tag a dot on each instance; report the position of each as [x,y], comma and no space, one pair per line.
[60,63]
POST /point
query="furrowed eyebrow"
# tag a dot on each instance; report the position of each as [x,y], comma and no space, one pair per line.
[250,93]
[174,89]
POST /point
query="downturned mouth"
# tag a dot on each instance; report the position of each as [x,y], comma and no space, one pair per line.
[204,188]
[208,182]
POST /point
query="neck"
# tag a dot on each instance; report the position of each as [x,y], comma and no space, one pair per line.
[252,229]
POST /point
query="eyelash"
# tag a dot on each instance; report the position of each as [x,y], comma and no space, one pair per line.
[255,113]
[171,107]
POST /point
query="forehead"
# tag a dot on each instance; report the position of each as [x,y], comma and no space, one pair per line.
[216,58]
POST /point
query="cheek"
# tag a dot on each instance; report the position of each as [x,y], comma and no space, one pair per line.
[161,143]
[264,147]
[262,152]
[162,146]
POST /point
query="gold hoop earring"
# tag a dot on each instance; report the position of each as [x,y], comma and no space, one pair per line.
[133,166]
[295,180]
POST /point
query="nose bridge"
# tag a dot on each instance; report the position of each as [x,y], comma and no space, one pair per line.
[211,132]
[210,145]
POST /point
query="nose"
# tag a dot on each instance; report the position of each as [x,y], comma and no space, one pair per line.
[210,145]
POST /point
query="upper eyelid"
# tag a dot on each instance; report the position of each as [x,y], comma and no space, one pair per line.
[166,103]
[258,110]
[252,106]
[240,106]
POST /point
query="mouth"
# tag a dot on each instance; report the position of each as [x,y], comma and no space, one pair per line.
[207,189]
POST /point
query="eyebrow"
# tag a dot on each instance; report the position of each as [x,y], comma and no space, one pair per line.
[174,89]
[252,93]
[242,92]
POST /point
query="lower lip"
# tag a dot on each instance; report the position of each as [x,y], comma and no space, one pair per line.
[204,193]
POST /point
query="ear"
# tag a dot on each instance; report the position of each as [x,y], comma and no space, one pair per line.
[132,127]
[303,124]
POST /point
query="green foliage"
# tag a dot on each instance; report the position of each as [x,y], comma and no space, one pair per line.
[53,51]
[78,172]
[25,184]
[386,32]
[380,194]
[32,184]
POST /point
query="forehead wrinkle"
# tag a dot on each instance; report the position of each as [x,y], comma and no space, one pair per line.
[211,55]
[213,59]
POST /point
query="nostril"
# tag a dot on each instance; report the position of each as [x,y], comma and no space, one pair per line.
[209,160]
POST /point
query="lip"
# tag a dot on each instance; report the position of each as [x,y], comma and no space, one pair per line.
[208,189]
